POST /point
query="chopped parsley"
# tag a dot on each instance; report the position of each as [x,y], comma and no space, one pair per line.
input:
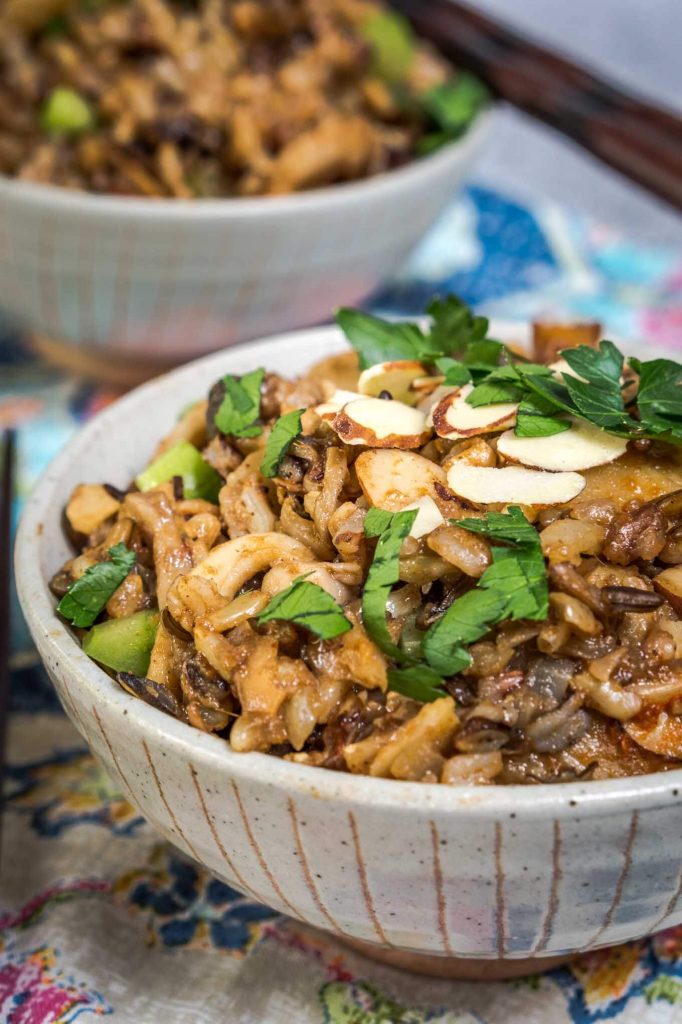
[307,604]
[282,434]
[87,596]
[418,682]
[514,586]
[451,108]
[239,410]
[457,345]
[391,528]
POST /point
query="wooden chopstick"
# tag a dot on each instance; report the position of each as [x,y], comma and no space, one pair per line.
[7,451]
[637,138]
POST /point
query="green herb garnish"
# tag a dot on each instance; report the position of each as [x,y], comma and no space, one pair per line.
[87,596]
[391,528]
[240,407]
[379,341]
[513,587]
[282,434]
[418,682]
[659,399]
[451,107]
[307,604]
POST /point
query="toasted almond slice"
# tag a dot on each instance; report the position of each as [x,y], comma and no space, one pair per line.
[580,447]
[395,377]
[513,485]
[381,423]
[428,516]
[423,387]
[328,410]
[431,401]
[454,418]
[391,479]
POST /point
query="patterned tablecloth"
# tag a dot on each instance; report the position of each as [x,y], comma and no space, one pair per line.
[99,917]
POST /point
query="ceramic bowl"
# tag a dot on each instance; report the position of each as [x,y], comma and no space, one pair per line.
[170,279]
[499,873]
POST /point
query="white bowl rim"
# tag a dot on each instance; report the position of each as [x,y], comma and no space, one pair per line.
[594,797]
[58,198]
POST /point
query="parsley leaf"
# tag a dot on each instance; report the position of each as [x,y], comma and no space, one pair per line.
[452,107]
[240,407]
[454,326]
[282,434]
[307,604]
[659,398]
[87,596]
[380,341]
[599,397]
[418,682]
[536,417]
[465,621]
[391,528]
[455,372]
[513,586]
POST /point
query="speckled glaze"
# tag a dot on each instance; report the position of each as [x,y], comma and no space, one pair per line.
[496,872]
[172,279]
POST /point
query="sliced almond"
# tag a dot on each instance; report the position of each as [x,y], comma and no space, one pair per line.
[428,516]
[391,479]
[580,447]
[328,410]
[381,423]
[454,418]
[395,377]
[432,400]
[513,485]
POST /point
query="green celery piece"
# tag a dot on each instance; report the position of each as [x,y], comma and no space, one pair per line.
[199,479]
[66,112]
[393,45]
[87,596]
[124,645]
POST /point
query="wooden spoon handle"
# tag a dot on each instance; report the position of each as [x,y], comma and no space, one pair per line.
[642,141]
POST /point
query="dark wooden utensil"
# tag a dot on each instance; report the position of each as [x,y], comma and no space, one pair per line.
[642,141]
[6,496]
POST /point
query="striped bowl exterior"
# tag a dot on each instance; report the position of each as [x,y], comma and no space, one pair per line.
[490,872]
[173,279]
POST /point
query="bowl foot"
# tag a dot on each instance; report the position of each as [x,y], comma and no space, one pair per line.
[456,967]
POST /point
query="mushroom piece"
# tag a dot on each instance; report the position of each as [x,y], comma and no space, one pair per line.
[89,506]
[228,566]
